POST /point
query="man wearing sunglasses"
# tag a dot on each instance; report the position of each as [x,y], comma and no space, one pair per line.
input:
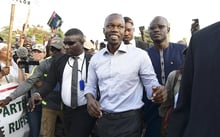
[67,69]
[165,57]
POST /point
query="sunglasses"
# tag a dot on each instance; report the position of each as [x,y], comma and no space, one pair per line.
[69,43]
[157,26]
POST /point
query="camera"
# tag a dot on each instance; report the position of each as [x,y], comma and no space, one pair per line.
[25,63]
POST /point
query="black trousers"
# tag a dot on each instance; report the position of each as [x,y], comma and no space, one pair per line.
[152,119]
[77,122]
[123,124]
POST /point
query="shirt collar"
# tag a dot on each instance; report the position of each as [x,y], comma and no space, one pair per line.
[81,56]
[132,42]
[122,49]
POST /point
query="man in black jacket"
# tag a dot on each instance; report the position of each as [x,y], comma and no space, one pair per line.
[77,121]
[197,112]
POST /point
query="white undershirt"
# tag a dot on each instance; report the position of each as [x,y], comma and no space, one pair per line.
[132,43]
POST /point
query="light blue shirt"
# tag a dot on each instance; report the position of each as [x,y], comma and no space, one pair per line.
[120,77]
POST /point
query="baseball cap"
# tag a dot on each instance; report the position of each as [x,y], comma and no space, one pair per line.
[88,45]
[39,47]
[57,42]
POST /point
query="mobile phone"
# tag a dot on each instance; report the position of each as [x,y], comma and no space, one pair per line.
[196,21]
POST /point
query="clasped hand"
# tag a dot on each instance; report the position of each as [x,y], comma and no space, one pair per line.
[159,94]
[93,107]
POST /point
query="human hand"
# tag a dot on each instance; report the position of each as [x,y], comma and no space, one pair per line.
[34,100]
[38,84]
[18,60]
[5,101]
[141,29]
[195,27]
[159,94]
[93,107]
[27,75]
[5,71]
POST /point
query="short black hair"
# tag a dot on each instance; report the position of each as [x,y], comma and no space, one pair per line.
[129,20]
[75,31]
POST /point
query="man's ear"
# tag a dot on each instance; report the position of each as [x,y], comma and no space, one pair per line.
[103,30]
[168,29]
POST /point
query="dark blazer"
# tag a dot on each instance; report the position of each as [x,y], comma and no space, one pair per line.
[56,73]
[198,108]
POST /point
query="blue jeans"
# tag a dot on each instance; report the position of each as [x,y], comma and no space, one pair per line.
[34,120]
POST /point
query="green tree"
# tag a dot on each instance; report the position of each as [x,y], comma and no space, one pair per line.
[147,37]
[5,32]
[41,35]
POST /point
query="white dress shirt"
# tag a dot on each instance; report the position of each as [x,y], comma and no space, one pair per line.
[67,79]
[121,78]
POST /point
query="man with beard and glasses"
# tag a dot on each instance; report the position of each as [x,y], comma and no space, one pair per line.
[165,57]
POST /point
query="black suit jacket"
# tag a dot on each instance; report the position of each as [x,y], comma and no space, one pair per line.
[56,73]
[198,107]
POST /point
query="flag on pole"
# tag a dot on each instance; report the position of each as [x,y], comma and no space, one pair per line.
[55,21]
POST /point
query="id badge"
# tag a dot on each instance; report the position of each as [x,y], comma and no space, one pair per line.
[82,85]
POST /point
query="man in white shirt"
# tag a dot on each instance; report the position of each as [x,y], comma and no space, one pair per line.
[121,72]
[77,121]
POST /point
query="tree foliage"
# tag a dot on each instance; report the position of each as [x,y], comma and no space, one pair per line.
[147,37]
[41,35]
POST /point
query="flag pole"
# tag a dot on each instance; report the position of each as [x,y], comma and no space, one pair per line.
[10,33]
[23,35]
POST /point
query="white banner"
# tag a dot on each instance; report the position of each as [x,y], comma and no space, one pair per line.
[13,118]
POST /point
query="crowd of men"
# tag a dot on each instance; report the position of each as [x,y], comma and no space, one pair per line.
[125,89]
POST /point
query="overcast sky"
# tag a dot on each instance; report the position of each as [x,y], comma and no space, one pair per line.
[89,15]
